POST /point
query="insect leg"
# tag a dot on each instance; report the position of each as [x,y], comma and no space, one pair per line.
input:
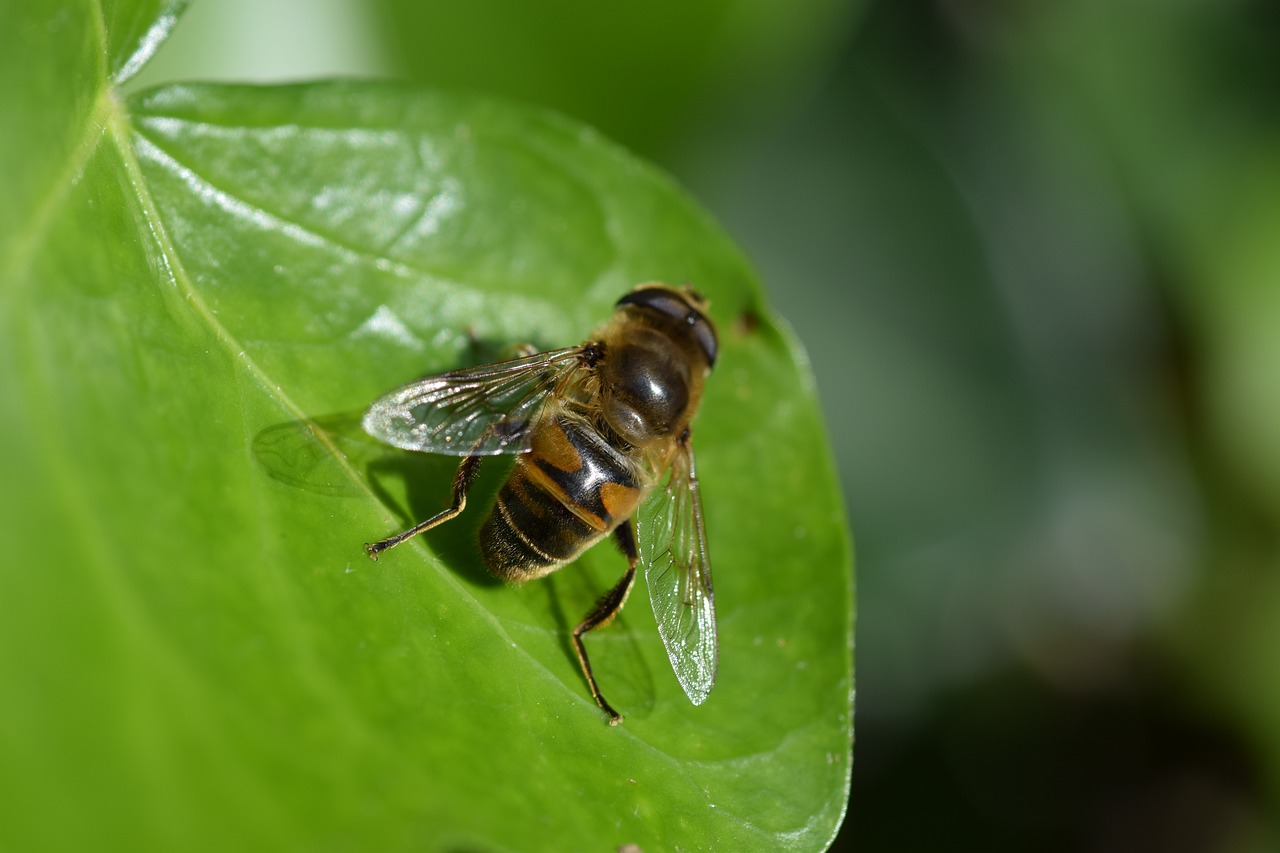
[607,608]
[462,481]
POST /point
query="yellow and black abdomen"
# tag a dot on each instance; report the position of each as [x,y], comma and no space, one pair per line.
[569,491]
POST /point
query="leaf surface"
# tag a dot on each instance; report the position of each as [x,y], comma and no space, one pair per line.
[194,650]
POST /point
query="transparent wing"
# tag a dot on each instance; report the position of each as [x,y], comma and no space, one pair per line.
[673,549]
[486,410]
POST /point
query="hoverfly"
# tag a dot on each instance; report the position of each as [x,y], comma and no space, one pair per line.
[601,435]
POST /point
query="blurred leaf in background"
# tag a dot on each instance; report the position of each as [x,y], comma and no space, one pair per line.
[655,74]
[194,653]
[1032,250]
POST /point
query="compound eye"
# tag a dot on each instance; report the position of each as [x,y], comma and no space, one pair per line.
[706,338]
[674,304]
[660,299]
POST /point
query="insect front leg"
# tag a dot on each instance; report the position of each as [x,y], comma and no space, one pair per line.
[607,608]
[462,481]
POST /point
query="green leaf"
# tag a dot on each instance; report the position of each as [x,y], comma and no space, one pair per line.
[195,653]
[135,30]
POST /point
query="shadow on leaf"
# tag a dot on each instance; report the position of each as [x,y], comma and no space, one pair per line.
[332,455]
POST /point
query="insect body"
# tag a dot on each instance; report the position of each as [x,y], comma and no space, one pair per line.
[602,437]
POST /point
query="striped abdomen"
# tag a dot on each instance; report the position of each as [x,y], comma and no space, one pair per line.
[570,490]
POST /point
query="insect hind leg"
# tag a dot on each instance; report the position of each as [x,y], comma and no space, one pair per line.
[462,480]
[605,610]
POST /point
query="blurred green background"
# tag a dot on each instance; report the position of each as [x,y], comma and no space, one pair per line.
[1033,249]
